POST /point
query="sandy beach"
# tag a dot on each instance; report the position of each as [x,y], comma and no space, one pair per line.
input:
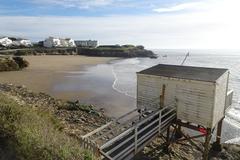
[46,73]
[45,70]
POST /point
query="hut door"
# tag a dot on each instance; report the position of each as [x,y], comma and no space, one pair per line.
[162,96]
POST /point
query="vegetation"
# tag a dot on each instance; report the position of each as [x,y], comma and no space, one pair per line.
[34,133]
[117,51]
[22,63]
[7,64]
[12,63]
[24,52]
[77,106]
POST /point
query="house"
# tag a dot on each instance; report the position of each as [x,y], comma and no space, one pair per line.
[86,43]
[21,42]
[5,42]
[58,42]
[52,42]
[200,94]
[70,42]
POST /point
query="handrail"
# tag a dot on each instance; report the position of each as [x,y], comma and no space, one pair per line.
[97,130]
[137,136]
[120,145]
[109,123]
[117,137]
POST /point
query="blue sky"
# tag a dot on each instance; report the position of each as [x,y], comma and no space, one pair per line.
[196,24]
[82,7]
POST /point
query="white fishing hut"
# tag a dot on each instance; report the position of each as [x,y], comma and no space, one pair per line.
[199,93]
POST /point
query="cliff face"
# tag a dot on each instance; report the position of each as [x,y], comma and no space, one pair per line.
[117,52]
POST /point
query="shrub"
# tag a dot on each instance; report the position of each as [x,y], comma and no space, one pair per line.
[8,64]
[22,63]
[33,133]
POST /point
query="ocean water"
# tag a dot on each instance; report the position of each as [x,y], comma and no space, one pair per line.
[122,76]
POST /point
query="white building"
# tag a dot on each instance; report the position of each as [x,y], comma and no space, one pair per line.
[86,43]
[5,41]
[52,42]
[22,42]
[70,42]
[58,42]
[12,41]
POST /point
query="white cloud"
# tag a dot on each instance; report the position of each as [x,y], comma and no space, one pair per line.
[181,7]
[83,4]
[216,27]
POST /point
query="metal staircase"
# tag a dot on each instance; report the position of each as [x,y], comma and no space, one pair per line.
[124,137]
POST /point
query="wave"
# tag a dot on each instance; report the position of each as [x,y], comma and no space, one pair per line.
[114,85]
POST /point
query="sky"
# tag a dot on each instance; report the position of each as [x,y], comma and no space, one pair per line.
[168,24]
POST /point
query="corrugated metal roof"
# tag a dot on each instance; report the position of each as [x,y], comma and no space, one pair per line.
[185,72]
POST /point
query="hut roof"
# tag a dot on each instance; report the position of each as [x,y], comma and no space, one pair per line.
[185,72]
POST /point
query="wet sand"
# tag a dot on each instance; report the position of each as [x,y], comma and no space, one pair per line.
[45,72]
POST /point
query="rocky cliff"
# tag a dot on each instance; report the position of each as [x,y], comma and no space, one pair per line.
[120,51]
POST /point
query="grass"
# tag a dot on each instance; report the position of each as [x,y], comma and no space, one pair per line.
[34,133]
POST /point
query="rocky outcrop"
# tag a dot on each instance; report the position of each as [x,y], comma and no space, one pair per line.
[12,63]
[122,51]
[39,51]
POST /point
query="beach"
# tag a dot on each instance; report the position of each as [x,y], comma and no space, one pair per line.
[45,70]
[46,73]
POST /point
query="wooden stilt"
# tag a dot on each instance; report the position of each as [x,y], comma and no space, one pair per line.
[206,144]
[162,96]
[168,134]
[219,132]
[216,146]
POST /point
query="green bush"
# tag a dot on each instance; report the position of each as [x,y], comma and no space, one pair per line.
[22,63]
[7,64]
[34,133]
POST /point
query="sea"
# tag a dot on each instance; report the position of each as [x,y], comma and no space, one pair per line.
[121,74]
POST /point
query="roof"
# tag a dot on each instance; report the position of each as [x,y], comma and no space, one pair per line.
[185,72]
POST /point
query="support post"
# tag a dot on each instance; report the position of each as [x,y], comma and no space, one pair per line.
[219,132]
[206,144]
[217,145]
[162,96]
[168,134]
[178,134]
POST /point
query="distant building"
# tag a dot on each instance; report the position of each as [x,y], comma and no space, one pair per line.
[21,42]
[52,42]
[5,42]
[58,42]
[70,42]
[86,43]
[12,41]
